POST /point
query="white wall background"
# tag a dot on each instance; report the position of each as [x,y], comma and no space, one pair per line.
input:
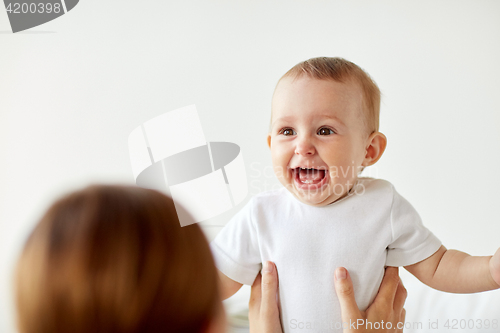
[71,91]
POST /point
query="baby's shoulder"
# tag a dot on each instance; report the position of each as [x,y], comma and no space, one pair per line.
[375,181]
[375,185]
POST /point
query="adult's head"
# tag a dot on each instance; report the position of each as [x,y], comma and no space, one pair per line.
[115,259]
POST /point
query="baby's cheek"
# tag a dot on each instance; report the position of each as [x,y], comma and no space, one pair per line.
[278,169]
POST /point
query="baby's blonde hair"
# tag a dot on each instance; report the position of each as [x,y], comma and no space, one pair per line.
[341,70]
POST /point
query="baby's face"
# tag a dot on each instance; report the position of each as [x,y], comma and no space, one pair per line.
[317,125]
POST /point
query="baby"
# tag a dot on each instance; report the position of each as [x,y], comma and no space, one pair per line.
[324,130]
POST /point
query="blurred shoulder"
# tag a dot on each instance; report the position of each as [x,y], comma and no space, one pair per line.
[376,185]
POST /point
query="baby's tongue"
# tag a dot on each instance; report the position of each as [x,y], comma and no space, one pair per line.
[311,176]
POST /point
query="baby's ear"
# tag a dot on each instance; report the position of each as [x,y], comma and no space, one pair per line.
[376,144]
[269,140]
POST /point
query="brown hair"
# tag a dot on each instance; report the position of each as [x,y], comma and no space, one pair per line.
[115,259]
[341,70]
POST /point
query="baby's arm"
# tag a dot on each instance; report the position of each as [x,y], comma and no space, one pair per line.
[228,287]
[457,272]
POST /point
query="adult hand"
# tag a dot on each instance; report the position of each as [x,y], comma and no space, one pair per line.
[386,312]
[387,306]
[263,314]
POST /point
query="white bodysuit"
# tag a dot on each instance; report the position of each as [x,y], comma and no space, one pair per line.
[370,228]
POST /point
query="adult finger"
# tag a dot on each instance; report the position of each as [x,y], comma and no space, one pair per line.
[256,294]
[345,294]
[400,297]
[401,322]
[269,288]
[388,288]
[269,311]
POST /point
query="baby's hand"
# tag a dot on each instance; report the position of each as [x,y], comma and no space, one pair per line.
[495,267]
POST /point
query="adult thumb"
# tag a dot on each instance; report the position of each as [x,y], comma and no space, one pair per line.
[345,293]
[269,288]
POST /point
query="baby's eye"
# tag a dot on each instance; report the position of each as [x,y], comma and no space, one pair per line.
[325,131]
[287,131]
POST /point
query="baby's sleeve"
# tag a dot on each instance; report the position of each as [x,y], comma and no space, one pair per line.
[236,247]
[411,240]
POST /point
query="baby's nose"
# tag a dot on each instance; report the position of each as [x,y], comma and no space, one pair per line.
[304,148]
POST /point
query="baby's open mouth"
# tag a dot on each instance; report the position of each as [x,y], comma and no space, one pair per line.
[309,176]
